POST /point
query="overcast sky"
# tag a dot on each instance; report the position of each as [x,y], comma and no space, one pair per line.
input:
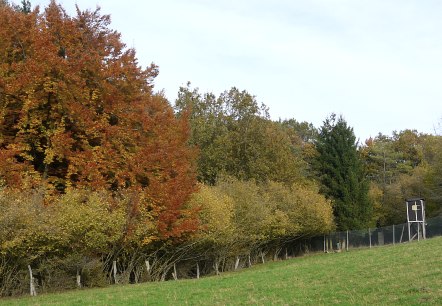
[376,62]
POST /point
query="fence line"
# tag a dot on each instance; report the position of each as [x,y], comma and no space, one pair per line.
[393,234]
[196,266]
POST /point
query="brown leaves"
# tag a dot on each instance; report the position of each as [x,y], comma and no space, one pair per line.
[77,111]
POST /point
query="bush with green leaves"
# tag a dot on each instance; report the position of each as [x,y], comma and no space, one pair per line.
[59,238]
[240,216]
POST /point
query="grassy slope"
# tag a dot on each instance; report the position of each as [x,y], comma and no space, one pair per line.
[407,274]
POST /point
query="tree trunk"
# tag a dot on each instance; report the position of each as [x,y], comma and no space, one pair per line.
[275,256]
[163,276]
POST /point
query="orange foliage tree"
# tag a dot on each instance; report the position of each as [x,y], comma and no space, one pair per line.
[77,111]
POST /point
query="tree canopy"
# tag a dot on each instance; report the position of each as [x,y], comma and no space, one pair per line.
[77,111]
[400,166]
[236,137]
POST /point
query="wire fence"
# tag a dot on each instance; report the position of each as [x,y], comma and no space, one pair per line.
[370,237]
[188,263]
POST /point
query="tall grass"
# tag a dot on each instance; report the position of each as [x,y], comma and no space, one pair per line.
[407,274]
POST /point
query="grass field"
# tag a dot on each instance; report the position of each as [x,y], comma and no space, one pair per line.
[406,274]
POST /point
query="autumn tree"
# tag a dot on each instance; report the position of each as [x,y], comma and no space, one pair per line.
[236,137]
[300,132]
[302,137]
[77,111]
[242,217]
[386,157]
[208,130]
[433,178]
[342,175]
[401,166]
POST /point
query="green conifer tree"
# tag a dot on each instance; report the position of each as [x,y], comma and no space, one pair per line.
[341,174]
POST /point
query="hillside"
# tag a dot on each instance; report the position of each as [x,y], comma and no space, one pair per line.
[403,274]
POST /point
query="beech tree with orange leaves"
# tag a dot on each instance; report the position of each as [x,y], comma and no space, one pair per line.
[77,111]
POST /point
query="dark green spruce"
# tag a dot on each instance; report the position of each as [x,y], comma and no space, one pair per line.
[341,174]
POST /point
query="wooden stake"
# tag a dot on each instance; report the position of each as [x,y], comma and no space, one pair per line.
[237,263]
[402,234]
[136,275]
[197,270]
[163,276]
[369,236]
[262,257]
[393,235]
[78,278]
[32,290]
[216,268]
[114,269]
[325,251]
[174,274]
[147,266]
[418,232]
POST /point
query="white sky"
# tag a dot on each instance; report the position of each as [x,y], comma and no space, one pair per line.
[376,62]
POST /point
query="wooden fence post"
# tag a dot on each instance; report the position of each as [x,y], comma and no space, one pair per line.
[216,267]
[33,292]
[114,270]
[402,234]
[369,236]
[174,274]
[237,263]
[78,278]
[147,266]
[324,245]
[393,235]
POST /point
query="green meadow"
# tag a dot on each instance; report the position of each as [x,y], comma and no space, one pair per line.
[407,274]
